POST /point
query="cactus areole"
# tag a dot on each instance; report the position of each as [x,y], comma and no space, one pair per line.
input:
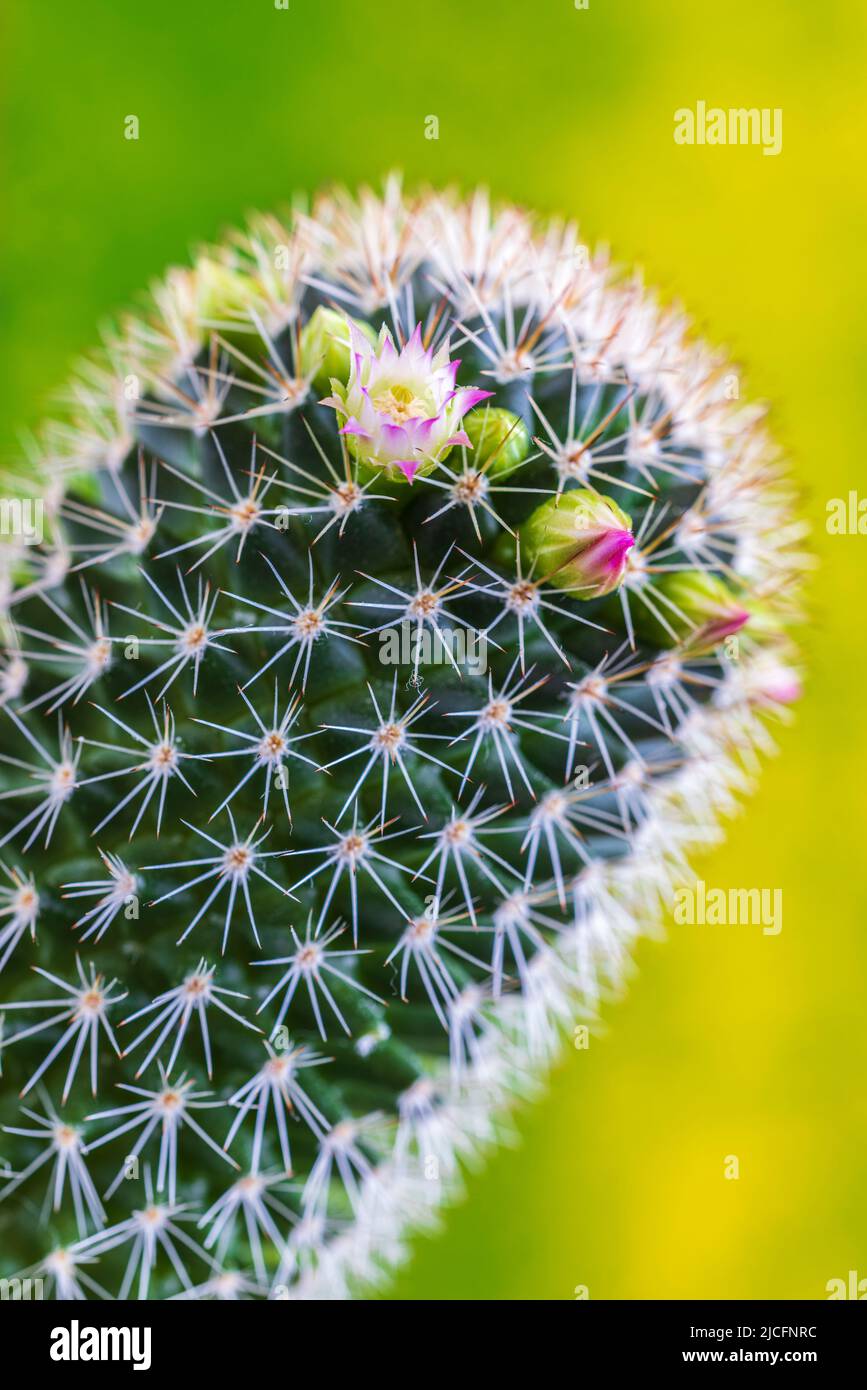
[409,595]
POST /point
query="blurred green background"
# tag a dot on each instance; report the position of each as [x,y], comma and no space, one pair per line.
[729,1042]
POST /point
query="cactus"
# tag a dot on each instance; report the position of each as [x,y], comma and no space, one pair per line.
[411,597]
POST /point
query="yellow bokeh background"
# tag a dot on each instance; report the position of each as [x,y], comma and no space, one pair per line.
[727,1042]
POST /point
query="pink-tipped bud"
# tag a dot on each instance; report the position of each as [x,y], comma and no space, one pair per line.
[702,607]
[580,542]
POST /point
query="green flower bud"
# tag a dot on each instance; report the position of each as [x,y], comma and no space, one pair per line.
[325,346]
[580,542]
[499,435]
[705,611]
[224,294]
[224,297]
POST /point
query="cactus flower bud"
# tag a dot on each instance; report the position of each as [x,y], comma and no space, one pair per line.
[400,410]
[778,685]
[580,540]
[325,346]
[499,436]
[223,293]
[705,603]
[766,681]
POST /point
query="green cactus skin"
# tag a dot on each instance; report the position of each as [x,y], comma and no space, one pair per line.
[219,626]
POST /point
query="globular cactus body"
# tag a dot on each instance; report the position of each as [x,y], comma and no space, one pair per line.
[361,699]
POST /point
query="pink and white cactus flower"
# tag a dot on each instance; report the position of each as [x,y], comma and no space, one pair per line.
[401,410]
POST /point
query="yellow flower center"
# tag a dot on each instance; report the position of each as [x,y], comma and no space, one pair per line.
[400,404]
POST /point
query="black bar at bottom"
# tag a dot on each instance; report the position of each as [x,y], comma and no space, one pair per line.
[63,1339]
